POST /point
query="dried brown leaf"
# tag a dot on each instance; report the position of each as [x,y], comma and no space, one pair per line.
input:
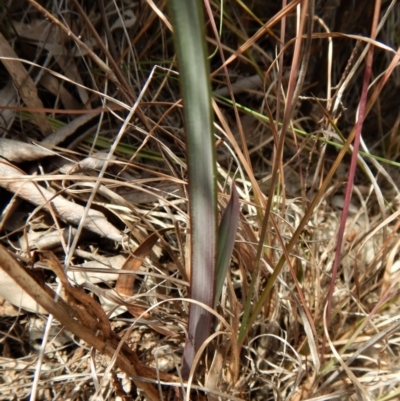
[18,152]
[14,294]
[71,71]
[24,83]
[41,32]
[8,97]
[126,359]
[90,270]
[69,129]
[55,87]
[214,374]
[15,181]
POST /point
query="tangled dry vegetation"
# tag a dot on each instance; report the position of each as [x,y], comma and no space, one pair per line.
[93,179]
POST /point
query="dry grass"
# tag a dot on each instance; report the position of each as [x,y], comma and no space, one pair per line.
[106,82]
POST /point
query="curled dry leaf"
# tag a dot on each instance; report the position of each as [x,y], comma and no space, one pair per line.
[125,282]
[15,181]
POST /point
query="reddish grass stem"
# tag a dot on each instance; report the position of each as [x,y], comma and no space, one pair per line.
[353,165]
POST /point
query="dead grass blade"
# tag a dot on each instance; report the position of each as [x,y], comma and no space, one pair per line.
[277,164]
[262,31]
[290,66]
[239,153]
[361,392]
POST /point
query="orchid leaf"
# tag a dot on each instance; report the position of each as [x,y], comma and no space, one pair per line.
[188,24]
[226,239]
